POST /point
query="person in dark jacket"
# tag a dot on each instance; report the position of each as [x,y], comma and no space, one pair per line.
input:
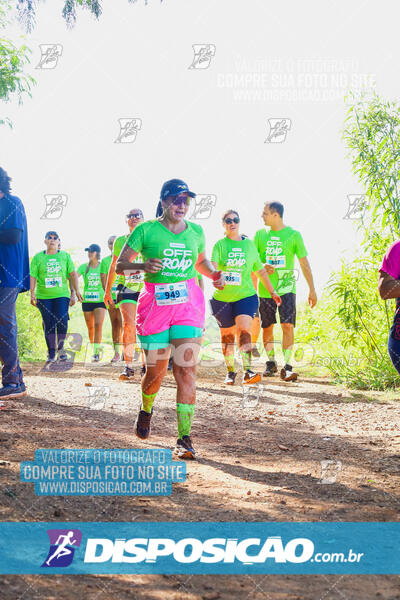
[14,279]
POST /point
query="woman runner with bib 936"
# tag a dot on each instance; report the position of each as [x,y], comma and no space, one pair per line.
[235,306]
[171,307]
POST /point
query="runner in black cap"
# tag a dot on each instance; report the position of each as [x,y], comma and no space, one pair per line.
[94,309]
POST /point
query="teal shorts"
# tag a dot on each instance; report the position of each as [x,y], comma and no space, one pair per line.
[157,341]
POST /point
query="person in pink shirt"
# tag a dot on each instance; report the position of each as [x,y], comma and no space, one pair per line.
[389,287]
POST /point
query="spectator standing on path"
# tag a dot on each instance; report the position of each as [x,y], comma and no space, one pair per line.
[14,278]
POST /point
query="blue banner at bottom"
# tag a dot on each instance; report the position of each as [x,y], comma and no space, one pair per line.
[201,548]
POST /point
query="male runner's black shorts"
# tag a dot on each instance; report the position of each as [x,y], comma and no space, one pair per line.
[125,294]
[225,313]
[287,310]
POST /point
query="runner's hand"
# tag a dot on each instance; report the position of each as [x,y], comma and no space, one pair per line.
[312,298]
[218,280]
[79,297]
[153,265]
[108,301]
[33,300]
[277,298]
[72,300]
[270,269]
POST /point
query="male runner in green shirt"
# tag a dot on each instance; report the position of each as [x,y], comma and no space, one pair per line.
[277,248]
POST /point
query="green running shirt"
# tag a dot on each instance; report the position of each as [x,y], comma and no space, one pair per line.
[178,252]
[278,249]
[237,259]
[134,281]
[92,288]
[51,272]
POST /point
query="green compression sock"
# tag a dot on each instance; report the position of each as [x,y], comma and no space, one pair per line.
[147,401]
[246,360]
[271,354]
[96,348]
[184,414]
[230,362]
[288,355]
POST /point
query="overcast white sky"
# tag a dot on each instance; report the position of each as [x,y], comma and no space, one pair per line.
[287,60]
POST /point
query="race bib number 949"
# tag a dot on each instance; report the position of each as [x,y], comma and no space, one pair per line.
[171,293]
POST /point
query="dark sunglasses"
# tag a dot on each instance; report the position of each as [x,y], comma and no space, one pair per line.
[135,216]
[52,237]
[234,220]
[177,200]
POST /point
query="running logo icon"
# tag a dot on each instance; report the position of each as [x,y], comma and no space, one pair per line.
[63,543]
[357,206]
[98,395]
[128,129]
[278,129]
[50,54]
[203,54]
[203,205]
[55,204]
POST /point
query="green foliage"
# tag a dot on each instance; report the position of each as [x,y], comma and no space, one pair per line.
[353,321]
[14,83]
[27,11]
[31,342]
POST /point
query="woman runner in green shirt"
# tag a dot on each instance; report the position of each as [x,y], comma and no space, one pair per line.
[50,271]
[94,309]
[234,306]
[171,308]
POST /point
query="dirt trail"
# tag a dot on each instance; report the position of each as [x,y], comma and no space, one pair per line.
[255,463]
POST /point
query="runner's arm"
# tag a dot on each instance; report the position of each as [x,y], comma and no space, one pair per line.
[124,260]
[72,299]
[124,263]
[388,286]
[33,290]
[306,269]
[263,275]
[73,277]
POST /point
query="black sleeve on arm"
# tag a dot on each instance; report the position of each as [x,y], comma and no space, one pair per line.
[10,236]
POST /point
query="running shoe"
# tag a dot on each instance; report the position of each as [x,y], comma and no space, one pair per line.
[142,425]
[116,358]
[127,374]
[62,356]
[12,391]
[287,373]
[255,353]
[170,364]
[49,362]
[143,370]
[230,378]
[96,358]
[270,368]
[184,448]
[251,377]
